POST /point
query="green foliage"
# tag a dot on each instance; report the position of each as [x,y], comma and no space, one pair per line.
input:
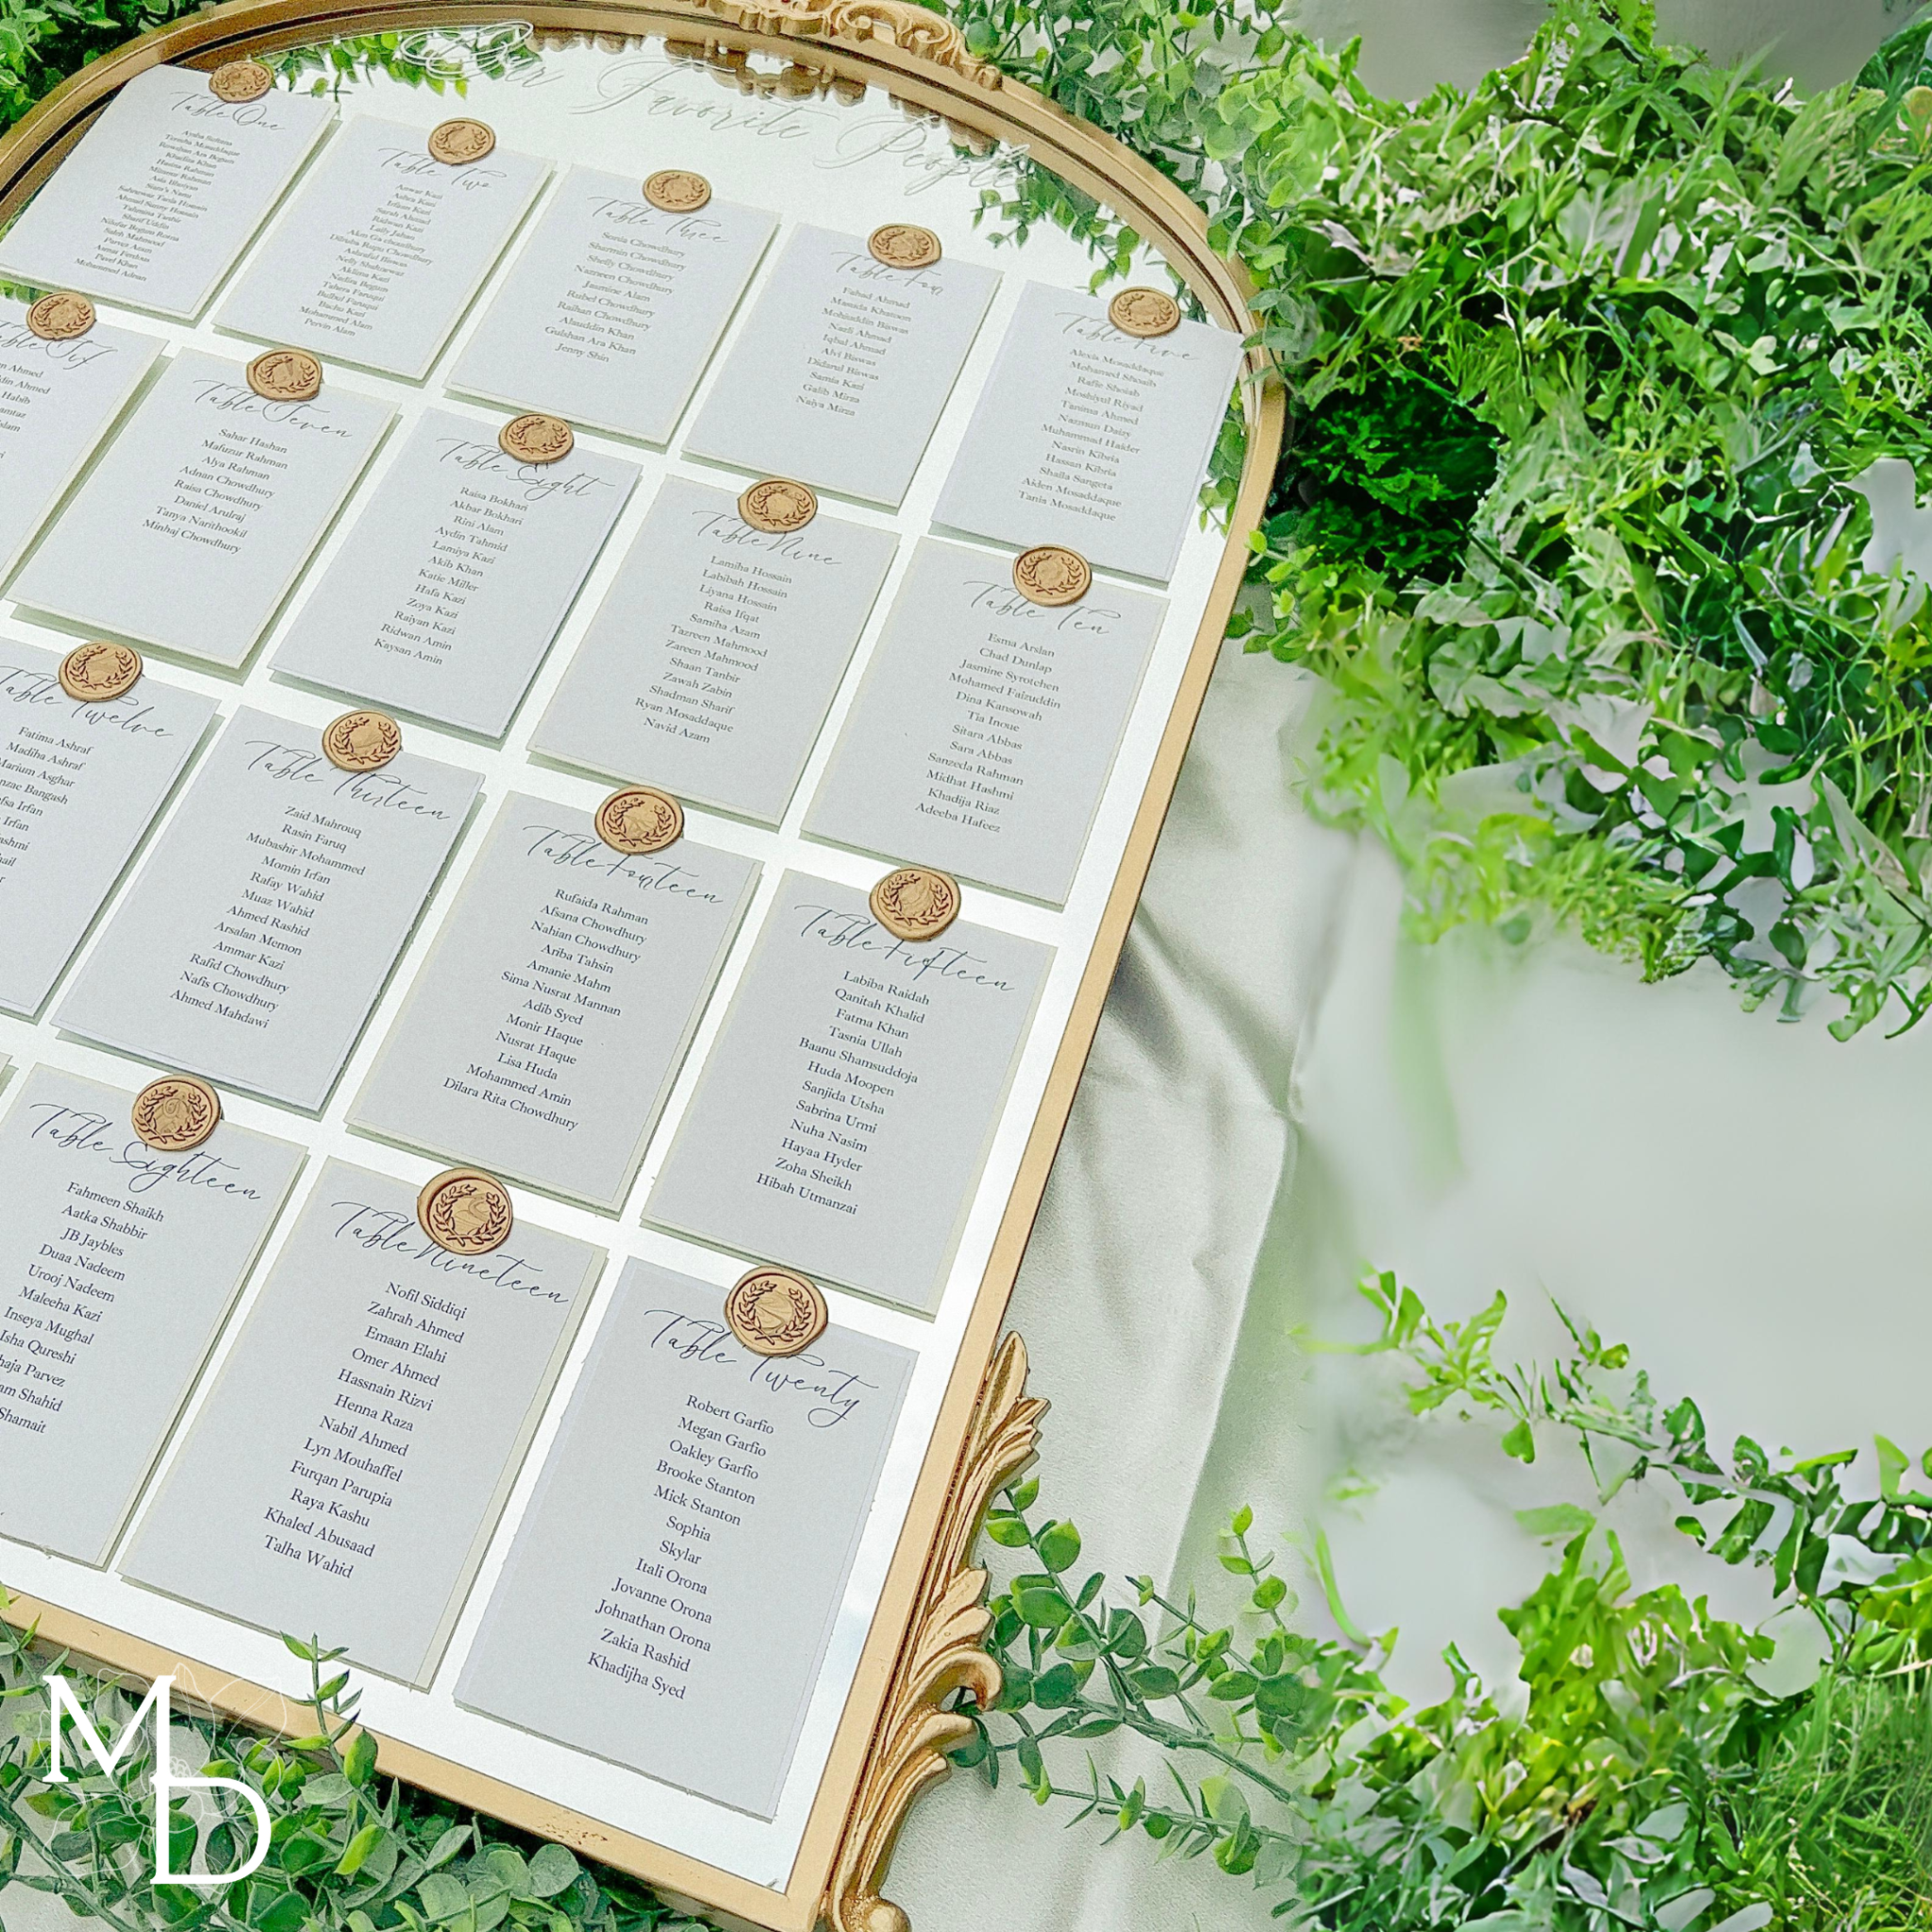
[43,42]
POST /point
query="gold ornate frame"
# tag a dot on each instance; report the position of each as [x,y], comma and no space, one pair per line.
[925,1642]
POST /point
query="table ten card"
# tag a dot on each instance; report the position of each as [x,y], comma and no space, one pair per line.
[378,255]
[79,786]
[117,1265]
[191,529]
[844,1113]
[456,576]
[612,309]
[347,1467]
[259,933]
[842,367]
[687,1618]
[541,1037]
[714,659]
[164,192]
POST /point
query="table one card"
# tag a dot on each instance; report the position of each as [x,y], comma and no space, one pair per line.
[613,308]
[259,933]
[347,1467]
[117,1265]
[983,734]
[687,1619]
[164,192]
[714,659]
[79,786]
[842,367]
[193,526]
[541,1037]
[845,1111]
[456,576]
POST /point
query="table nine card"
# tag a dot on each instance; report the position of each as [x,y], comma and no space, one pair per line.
[845,1110]
[117,1265]
[347,1467]
[540,1039]
[456,576]
[191,530]
[610,312]
[164,192]
[79,786]
[687,1618]
[713,660]
[259,933]
[842,367]
[379,253]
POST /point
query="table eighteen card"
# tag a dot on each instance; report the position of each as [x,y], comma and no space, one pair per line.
[687,1619]
[1090,437]
[117,1265]
[842,367]
[453,579]
[987,724]
[542,1036]
[193,526]
[261,929]
[79,786]
[383,248]
[845,1111]
[164,192]
[713,660]
[612,309]
[346,1470]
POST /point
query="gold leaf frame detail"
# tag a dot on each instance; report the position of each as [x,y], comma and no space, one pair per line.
[914,30]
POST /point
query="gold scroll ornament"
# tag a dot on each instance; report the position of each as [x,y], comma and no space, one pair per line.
[914,30]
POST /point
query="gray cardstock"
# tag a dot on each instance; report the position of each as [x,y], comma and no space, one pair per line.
[542,1036]
[192,526]
[453,579]
[711,664]
[612,310]
[346,1468]
[842,367]
[844,1113]
[164,192]
[379,253]
[688,1545]
[79,786]
[983,734]
[259,933]
[117,1266]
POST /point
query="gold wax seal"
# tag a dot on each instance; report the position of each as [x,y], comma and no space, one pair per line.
[639,819]
[917,901]
[93,674]
[61,317]
[773,1312]
[465,1212]
[176,1113]
[899,245]
[237,82]
[361,741]
[1051,574]
[460,142]
[537,439]
[778,505]
[678,190]
[1145,312]
[285,376]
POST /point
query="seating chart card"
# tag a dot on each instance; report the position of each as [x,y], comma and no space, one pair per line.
[713,660]
[164,192]
[610,312]
[542,1036]
[842,367]
[349,1464]
[844,1113]
[259,933]
[987,724]
[688,1615]
[117,1264]
[378,255]
[453,579]
[79,786]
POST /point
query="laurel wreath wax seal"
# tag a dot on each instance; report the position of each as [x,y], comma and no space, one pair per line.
[773,1312]
[61,317]
[900,244]
[361,741]
[678,190]
[639,819]
[458,143]
[537,439]
[1052,574]
[778,506]
[285,376]
[465,1212]
[177,1112]
[240,81]
[1145,312]
[917,901]
[93,674]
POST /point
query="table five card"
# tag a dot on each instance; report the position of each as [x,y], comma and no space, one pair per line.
[688,1617]
[348,1465]
[117,1265]
[258,935]
[541,1037]
[714,659]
